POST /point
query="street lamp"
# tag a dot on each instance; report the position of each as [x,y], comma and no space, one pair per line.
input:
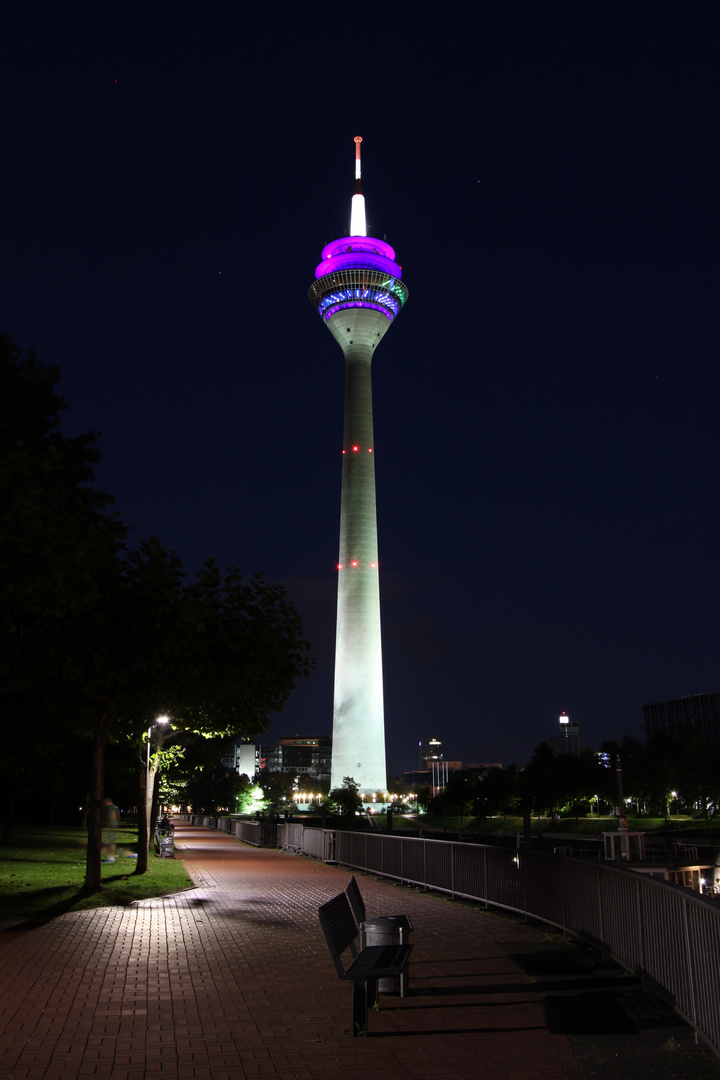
[161,720]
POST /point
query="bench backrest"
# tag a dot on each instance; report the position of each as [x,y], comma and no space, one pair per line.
[356,901]
[336,919]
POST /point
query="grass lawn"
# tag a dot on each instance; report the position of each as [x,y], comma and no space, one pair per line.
[42,873]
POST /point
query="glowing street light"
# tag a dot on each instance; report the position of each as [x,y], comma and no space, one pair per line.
[160,721]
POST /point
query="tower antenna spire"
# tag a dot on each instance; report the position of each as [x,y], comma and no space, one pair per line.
[358,187]
[358,226]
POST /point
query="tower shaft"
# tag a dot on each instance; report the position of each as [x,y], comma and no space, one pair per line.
[358,718]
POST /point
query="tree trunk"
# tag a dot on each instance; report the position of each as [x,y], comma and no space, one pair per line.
[8,816]
[154,803]
[143,837]
[97,785]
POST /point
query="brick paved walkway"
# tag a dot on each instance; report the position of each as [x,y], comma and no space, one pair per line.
[234,980]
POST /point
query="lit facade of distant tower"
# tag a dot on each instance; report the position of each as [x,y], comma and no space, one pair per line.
[358,293]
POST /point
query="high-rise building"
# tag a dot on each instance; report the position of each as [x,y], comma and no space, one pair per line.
[430,750]
[305,756]
[358,292]
[241,756]
[697,715]
[568,741]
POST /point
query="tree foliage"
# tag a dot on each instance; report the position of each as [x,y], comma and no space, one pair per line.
[98,640]
[58,550]
[345,801]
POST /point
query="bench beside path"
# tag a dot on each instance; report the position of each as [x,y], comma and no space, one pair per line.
[233,980]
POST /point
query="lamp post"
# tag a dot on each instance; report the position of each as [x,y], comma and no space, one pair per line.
[160,721]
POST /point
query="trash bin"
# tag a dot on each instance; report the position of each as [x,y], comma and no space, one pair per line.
[387,930]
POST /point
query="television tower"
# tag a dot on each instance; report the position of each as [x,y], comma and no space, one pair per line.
[358,292]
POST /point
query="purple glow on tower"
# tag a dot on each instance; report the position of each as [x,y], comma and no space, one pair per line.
[358,251]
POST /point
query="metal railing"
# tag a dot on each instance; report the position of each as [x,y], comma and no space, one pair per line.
[258,833]
[662,933]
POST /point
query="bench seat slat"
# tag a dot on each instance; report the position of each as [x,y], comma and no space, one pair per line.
[379,962]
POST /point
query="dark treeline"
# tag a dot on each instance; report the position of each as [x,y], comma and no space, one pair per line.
[102,638]
[659,778]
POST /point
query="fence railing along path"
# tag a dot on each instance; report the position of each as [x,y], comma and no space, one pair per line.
[662,933]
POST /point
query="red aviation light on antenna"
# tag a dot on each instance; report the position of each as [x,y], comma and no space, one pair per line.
[356,448]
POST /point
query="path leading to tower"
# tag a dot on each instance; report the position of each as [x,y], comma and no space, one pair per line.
[233,979]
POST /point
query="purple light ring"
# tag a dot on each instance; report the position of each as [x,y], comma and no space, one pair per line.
[352,259]
[355,304]
[347,280]
[358,243]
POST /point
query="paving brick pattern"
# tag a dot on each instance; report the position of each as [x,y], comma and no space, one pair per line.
[233,980]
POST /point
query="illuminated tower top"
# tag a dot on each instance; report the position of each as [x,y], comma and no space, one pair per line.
[358,270]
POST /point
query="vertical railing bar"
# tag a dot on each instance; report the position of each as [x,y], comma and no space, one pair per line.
[688,953]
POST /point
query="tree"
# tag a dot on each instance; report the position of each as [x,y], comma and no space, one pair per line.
[345,801]
[455,798]
[217,655]
[278,790]
[58,544]
[496,792]
[103,639]
[699,776]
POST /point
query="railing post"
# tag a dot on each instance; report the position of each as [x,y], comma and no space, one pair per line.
[485,876]
[640,932]
[691,973]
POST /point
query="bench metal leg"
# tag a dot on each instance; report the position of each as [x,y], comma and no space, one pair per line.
[365,994]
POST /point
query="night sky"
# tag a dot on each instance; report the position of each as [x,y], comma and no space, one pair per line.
[546,405]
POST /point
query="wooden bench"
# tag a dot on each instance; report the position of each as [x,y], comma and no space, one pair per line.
[367,966]
[402,923]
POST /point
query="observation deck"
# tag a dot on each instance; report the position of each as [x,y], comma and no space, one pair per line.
[358,287]
[358,272]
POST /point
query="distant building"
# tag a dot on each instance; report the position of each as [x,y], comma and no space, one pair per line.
[437,771]
[430,750]
[241,756]
[303,755]
[685,717]
[568,740]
